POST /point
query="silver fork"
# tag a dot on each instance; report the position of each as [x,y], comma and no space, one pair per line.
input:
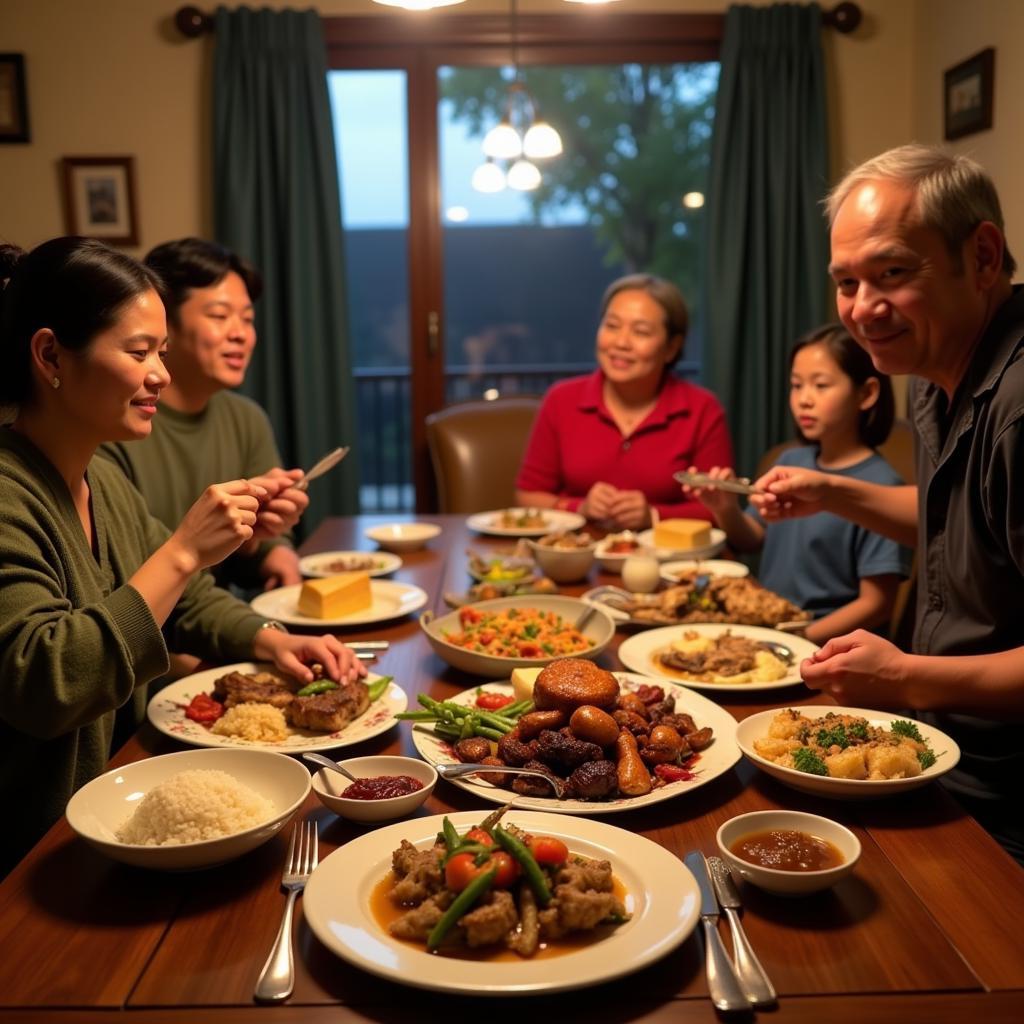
[277,979]
[458,771]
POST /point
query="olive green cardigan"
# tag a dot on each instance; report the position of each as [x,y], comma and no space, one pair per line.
[76,638]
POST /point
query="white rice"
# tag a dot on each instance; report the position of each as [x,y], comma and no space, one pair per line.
[192,806]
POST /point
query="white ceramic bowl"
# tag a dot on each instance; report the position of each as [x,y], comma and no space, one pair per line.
[329,786]
[403,536]
[672,571]
[563,565]
[103,805]
[599,629]
[789,883]
[611,561]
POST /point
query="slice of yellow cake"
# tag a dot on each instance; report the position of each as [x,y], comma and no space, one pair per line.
[335,596]
[682,534]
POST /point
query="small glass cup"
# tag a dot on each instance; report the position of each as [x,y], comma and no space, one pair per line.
[641,573]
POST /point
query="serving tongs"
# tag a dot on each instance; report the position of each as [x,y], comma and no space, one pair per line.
[739,485]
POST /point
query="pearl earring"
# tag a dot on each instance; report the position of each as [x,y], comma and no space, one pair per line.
[55,382]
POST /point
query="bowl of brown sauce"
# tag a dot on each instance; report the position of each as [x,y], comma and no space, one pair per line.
[387,788]
[789,853]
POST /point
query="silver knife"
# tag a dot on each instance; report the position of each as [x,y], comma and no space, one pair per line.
[753,978]
[723,985]
[328,462]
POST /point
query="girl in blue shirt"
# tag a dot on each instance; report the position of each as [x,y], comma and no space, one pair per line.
[846,576]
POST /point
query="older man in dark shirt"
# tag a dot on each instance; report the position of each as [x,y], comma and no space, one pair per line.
[922,275]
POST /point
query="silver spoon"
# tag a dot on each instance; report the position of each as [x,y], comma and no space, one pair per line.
[326,762]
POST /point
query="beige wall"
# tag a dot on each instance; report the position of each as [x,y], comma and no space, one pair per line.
[113,77]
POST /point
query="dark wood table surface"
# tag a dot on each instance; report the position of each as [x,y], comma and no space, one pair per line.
[927,928]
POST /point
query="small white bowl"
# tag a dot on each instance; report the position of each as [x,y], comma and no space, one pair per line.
[611,561]
[103,805]
[789,883]
[329,786]
[403,536]
[563,565]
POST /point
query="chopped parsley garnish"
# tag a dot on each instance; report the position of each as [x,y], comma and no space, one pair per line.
[926,757]
[834,737]
[806,760]
[901,727]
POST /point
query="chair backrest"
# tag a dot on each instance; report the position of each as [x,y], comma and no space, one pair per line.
[476,449]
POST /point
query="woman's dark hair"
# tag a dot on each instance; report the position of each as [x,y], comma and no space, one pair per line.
[74,286]
[664,293]
[190,263]
[875,423]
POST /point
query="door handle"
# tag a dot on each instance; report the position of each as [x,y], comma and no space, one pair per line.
[433,333]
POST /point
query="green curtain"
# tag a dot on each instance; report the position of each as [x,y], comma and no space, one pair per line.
[767,241]
[276,202]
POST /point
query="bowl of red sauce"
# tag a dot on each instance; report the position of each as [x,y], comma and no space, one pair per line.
[387,787]
[789,853]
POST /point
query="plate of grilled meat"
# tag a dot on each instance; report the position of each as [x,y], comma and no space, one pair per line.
[255,706]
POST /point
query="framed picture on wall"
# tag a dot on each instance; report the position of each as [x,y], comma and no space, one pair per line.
[99,198]
[967,96]
[13,99]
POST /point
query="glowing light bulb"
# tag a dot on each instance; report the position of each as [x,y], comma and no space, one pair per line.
[541,141]
[523,176]
[488,177]
[503,142]
[693,200]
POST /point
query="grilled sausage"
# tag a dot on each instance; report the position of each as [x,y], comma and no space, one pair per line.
[634,778]
[535,722]
[594,725]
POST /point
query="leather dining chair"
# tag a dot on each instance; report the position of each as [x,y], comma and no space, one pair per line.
[476,448]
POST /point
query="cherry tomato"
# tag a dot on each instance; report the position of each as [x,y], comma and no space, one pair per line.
[469,616]
[478,835]
[673,773]
[460,871]
[548,850]
[493,701]
[529,650]
[204,709]
[508,869]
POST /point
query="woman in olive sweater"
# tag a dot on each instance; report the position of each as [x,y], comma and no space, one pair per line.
[90,583]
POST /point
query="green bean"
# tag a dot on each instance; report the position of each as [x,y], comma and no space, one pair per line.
[320,686]
[462,903]
[467,847]
[451,837]
[377,688]
[531,869]
[416,716]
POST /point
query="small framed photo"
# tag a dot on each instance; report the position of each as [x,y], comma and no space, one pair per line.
[13,99]
[99,198]
[968,95]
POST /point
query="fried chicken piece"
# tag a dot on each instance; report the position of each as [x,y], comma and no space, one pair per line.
[492,920]
[594,780]
[418,873]
[562,750]
[472,750]
[419,922]
[513,751]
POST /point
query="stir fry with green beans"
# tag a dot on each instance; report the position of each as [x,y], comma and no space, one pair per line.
[461,722]
[499,886]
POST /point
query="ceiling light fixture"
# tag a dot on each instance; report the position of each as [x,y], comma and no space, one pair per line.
[418,5]
[521,133]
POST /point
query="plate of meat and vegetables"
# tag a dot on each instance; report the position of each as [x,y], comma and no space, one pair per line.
[614,741]
[254,706]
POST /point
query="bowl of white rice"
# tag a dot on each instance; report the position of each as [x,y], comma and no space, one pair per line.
[194,809]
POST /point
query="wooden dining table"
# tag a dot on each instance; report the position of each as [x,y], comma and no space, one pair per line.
[927,928]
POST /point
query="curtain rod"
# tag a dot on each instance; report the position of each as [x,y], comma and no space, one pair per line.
[192,22]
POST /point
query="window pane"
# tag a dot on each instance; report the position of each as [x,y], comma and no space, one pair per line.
[524,271]
[369,114]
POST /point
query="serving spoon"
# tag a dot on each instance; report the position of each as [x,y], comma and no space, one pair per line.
[326,762]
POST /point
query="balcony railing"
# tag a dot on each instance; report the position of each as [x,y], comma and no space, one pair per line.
[384,399]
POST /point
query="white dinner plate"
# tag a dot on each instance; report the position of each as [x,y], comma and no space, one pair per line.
[637,653]
[390,600]
[946,751]
[166,711]
[661,894]
[666,554]
[319,566]
[710,763]
[671,571]
[555,521]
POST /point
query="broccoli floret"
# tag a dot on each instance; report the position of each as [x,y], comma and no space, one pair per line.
[901,727]
[806,760]
[926,757]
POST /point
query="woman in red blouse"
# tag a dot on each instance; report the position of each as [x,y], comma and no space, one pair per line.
[607,444]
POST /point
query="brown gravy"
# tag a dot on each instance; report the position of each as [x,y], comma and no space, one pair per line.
[786,849]
[385,911]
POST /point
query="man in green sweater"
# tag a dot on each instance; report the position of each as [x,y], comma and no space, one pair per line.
[204,430]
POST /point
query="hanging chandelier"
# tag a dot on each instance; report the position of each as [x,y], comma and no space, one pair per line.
[519,138]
